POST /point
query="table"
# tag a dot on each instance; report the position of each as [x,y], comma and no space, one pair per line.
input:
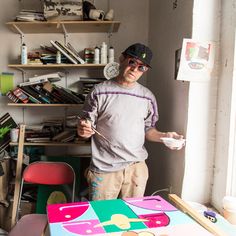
[147,216]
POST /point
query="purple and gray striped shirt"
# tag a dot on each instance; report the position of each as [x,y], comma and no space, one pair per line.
[122,115]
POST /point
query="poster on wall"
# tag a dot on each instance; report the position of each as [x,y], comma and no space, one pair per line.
[196,61]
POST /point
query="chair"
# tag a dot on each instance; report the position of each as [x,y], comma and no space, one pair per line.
[46,173]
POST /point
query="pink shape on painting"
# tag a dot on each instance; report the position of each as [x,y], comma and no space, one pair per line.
[155,220]
[66,212]
[151,203]
[83,227]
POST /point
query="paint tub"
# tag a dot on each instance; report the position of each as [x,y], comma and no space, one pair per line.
[229,209]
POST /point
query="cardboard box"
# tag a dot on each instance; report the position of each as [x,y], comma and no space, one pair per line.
[63,9]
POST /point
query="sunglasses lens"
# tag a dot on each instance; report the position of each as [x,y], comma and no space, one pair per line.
[142,68]
[134,64]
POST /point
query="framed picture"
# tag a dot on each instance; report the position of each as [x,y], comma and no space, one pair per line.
[63,9]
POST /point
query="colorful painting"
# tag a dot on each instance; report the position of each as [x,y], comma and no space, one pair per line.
[125,217]
[196,61]
[145,216]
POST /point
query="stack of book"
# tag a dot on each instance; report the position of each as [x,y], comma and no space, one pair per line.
[40,90]
[43,132]
[89,83]
[30,15]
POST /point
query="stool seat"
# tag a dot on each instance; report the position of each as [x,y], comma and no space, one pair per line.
[30,225]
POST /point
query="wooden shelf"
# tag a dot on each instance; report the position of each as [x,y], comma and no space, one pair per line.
[42,105]
[87,144]
[48,66]
[63,27]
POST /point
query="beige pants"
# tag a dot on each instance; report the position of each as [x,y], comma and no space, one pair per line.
[130,182]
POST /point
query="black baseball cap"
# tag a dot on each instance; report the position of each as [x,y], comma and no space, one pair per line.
[140,52]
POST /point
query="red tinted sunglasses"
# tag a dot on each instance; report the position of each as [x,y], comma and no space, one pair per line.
[134,64]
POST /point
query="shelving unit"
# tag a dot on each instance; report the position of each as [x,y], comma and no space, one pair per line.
[51,27]
[43,105]
[64,27]
[56,66]
[53,144]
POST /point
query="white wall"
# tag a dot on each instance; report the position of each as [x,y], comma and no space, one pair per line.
[168,27]
[202,111]
[225,132]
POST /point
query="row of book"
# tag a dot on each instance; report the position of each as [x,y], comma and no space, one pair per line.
[49,54]
[44,93]
[53,130]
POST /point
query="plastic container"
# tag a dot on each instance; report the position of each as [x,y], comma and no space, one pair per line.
[229,209]
[96,55]
[24,54]
[58,57]
[111,55]
[104,53]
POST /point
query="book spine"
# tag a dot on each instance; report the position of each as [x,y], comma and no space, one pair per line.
[21,95]
[58,46]
[12,97]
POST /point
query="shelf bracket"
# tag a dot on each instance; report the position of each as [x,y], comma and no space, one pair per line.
[20,32]
[111,30]
[65,33]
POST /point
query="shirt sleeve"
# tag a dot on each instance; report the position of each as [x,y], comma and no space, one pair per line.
[152,114]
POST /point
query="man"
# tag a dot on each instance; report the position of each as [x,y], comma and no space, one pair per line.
[125,113]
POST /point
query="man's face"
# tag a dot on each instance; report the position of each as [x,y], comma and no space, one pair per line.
[131,69]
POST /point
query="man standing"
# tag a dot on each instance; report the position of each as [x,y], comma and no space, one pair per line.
[125,112]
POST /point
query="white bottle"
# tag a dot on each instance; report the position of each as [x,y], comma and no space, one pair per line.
[24,54]
[96,55]
[111,55]
[104,53]
[58,57]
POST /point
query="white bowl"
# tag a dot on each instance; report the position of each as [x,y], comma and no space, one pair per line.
[173,143]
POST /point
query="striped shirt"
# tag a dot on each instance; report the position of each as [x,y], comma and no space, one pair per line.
[122,115]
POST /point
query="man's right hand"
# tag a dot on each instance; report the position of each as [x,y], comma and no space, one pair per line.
[84,128]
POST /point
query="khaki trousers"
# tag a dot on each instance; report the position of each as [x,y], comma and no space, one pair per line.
[130,182]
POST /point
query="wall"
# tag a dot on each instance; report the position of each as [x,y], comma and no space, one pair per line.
[226,113]
[202,111]
[168,26]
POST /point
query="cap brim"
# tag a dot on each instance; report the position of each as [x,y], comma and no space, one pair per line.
[134,56]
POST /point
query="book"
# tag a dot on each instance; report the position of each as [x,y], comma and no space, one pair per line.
[33,82]
[34,93]
[31,98]
[67,94]
[57,75]
[6,124]
[59,47]
[71,49]
[21,95]
[12,97]
[65,136]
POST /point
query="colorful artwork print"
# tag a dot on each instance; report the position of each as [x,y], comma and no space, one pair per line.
[146,216]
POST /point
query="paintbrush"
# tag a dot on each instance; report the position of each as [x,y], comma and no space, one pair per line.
[97,132]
